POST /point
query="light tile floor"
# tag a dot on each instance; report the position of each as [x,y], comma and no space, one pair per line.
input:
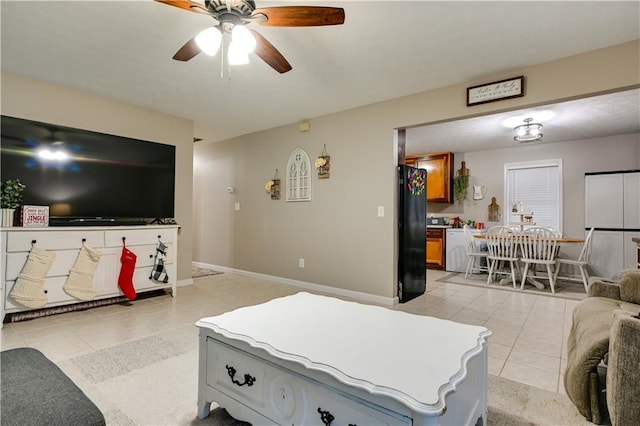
[528,344]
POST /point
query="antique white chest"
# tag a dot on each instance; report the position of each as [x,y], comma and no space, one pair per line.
[316,360]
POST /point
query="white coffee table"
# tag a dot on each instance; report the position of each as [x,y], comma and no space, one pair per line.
[308,359]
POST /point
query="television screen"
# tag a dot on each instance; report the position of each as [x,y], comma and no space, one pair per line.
[84,174]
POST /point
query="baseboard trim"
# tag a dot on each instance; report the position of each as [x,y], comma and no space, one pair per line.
[365,297]
[184,283]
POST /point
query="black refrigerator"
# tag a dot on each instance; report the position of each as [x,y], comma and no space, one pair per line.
[412,232]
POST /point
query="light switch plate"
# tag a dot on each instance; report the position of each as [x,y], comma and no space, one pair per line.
[380,211]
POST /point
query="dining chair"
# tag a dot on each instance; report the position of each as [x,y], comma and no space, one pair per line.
[475,253]
[502,247]
[582,263]
[555,230]
[538,246]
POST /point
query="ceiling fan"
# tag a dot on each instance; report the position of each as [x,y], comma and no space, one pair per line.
[230,32]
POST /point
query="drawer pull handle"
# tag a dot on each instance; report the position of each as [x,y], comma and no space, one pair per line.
[249,380]
[327,417]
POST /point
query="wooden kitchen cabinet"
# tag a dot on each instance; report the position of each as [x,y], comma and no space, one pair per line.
[436,248]
[439,166]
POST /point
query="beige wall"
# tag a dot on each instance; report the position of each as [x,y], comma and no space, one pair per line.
[36,100]
[344,243]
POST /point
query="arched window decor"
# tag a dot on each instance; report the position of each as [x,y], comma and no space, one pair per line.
[299,176]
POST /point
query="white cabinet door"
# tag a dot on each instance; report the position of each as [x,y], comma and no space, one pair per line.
[632,200]
[603,195]
[607,254]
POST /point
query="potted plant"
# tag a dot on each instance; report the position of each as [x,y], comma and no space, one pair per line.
[10,199]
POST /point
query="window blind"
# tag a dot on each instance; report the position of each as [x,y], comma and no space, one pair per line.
[538,186]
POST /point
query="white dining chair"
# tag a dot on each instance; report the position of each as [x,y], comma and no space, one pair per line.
[502,247]
[475,253]
[538,246]
[582,263]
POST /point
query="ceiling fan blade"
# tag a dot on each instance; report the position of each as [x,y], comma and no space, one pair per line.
[188,51]
[268,53]
[186,5]
[301,16]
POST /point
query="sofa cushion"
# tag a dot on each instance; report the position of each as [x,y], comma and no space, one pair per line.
[630,287]
[623,378]
[587,344]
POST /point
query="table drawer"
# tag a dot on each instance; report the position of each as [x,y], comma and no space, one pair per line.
[61,265]
[53,291]
[49,240]
[138,237]
[323,404]
[284,396]
[236,374]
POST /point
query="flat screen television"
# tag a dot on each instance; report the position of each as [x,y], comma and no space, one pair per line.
[88,178]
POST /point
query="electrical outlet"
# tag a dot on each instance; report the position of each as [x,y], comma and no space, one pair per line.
[301,262]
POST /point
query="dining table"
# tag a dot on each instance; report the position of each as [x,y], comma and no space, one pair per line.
[536,283]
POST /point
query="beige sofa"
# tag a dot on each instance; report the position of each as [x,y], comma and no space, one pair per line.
[605,336]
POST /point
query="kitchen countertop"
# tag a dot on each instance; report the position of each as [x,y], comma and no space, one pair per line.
[439,226]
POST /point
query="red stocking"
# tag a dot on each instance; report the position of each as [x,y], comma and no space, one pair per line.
[125,280]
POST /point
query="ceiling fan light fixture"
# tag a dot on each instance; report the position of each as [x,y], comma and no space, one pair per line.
[528,132]
[237,56]
[243,39]
[56,155]
[209,40]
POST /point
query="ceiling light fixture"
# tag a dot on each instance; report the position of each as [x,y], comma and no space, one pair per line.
[235,39]
[56,155]
[528,132]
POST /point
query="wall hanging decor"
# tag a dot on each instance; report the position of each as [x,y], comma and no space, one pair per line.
[299,176]
[478,192]
[323,164]
[494,211]
[461,183]
[273,186]
[496,91]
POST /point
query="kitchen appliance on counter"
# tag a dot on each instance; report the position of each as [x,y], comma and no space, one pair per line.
[438,221]
[412,237]
[456,252]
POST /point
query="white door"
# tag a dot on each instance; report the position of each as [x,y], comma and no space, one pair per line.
[632,200]
[603,195]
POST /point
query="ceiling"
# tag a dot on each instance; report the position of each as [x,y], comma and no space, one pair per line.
[122,50]
[594,117]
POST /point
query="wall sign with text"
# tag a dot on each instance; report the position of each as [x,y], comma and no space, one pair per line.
[496,91]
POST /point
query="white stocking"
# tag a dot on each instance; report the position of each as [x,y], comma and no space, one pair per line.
[79,283]
[29,287]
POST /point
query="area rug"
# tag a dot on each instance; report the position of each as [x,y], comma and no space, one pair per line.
[153,381]
[35,391]
[197,272]
[564,289]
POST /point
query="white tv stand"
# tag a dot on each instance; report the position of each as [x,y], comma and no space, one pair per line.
[66,242]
